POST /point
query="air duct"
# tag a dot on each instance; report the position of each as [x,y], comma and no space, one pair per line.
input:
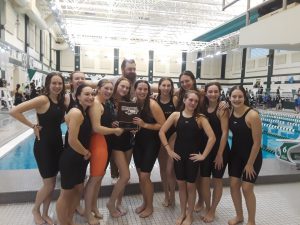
[29,7]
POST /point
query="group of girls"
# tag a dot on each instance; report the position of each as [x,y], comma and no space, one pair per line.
[194,135]
[199,123]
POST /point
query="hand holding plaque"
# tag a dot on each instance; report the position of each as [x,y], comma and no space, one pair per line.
[126,112]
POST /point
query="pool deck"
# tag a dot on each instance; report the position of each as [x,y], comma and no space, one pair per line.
[21,185]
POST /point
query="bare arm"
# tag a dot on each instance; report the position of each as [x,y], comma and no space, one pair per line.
[209,133]
[39,104]
[255,124]
[175,100]
[95,113]
[172,119]
[166,126]
[202,121]
[253,121]
[223,116]
[74,120]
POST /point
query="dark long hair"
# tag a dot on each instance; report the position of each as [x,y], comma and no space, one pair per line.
[146,107]
[181,91]
[242,89]
[78,92]
[206,88]
[124,98]
[61,95]
[172,86]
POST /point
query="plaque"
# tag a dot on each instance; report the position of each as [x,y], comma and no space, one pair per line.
[126,112]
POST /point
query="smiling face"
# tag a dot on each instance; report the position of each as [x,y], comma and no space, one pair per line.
[165,87]
[142,91]
[106,90]
[77,79]
[191,101]
[56,85]
[186,82]
[86,97]
[123,88]
[237,98]
[213,93]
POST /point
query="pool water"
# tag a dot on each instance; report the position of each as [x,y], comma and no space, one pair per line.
[22,157]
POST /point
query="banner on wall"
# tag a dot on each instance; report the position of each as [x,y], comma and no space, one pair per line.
[31,73]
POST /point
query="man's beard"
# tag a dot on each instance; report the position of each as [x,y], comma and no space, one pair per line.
[131,76]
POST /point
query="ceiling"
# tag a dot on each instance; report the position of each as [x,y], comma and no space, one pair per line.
[140,23]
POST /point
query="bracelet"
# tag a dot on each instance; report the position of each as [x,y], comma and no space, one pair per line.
[165,145]
[34,126]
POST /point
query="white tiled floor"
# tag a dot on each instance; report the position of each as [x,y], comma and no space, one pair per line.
[276,205]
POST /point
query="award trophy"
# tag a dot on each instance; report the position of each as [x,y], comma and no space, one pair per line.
[126,112]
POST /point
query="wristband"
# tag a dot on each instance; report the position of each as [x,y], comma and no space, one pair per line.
[165,145]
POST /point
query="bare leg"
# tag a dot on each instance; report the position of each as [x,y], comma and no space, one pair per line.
[139,209]
[171,178]
[46,205]
[95,209]
[250,201]
[200,203]
[191,194]
[43,196]
[205,184]
[119,206]
[236,195]
[148,192]
[162,160]
[217,194]
[182,185]
[64,206]
[122,164]
[89,196]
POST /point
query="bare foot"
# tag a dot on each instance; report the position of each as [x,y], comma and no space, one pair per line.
[172,201]
[180,219]
[38,219]
[198,207]
[97,214]
[166,202]
[188,220]
[113,211]
[48,220]
[146,212]
[91,220]
[250,223]
[236,220]
[140,209]
[80,210]
[209,217]
[121,209]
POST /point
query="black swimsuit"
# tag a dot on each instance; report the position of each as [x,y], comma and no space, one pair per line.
[146,146]
[188,141]
[207,167]
[48,149]
[242,143]
[72,103]
[168,109]
[72,165]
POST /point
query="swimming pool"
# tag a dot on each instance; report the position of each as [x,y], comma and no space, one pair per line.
[21,157]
